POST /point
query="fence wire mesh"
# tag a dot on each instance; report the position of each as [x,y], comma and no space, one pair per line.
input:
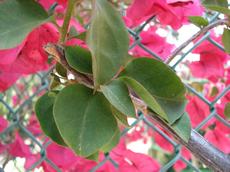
[17,106]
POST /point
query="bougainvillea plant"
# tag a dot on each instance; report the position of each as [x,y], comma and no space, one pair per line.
[96,81]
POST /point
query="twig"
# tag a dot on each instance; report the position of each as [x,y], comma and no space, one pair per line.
[65,26]
[57,52]
[195,36]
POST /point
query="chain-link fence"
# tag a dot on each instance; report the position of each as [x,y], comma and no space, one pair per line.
[17,106]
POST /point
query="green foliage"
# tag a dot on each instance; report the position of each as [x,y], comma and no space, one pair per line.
[61,70]
[120,116]
[113,142]
[217,5]
[145,95]
[108,41]
[74,34]
[84,119]
[219,9]
[226,40]
[183,127]
[227,110]
[198,21]
[93,157]
[221,3]
[118,95]
[79,59]
[44,112]
[157,85]
[17,19]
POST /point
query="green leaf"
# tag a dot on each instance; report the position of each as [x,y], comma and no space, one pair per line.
[221,3]
[198,21]
[17,19]
[44,112]
[214,91]
[81,36]
[120,116]
[108,42]
[226,40]
[113,142]
[158,86]
[72,32]
[217,5]
[183,127]
[227,110]
[189,169]
[219,9]
[93,157]
[54,83]
[118,95]
[84,119]
[61,70]
[79,59]
[145,96]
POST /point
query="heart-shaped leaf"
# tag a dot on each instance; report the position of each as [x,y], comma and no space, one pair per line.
[84,119]
[44,112]
[118,95]
[158,86]
[17,19]
[79,59]
[112,143]
[108,41]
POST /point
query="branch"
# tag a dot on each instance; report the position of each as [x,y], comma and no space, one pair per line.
[65,26]
[203,150]
[195,36]
[57,51]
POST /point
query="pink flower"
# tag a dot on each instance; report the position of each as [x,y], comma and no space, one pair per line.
[219,139]
[178,1]
[18,148]
[173,13]
[180,165]
[154,42]
[8,56]
[3,124]
[48,3]
[160,140]
[197,110]
[27,58]
[34,126]
[211,63]
[61,156]
[84,165]
[129,161]
[62,2]
[136,134]
[138,11]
